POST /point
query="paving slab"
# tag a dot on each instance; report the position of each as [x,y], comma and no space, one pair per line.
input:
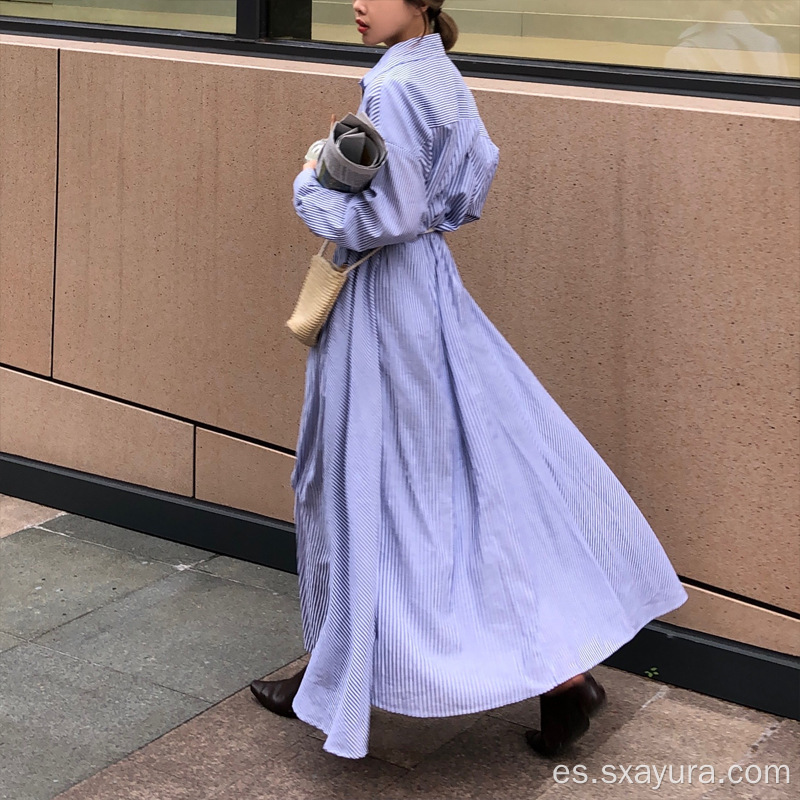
[204,755]
[626,694]
[47,579]
[488,761]
[306,772]
[287,670]
[665,734]
[130,780]
[406,741]
[231,740]
[107,705]
[192,632]
[62,720]
[148,548]
[16,514]
[779,747]
[252,574]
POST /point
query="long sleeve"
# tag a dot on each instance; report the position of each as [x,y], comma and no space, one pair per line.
[394,207]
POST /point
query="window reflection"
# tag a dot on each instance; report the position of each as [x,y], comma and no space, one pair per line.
[757,37]
[754,37]
[211,16]
[724,39]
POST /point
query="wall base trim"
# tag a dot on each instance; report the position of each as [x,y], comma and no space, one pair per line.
[729,670]
[226,531]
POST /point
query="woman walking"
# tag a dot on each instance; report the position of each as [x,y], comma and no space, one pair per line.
[461,546]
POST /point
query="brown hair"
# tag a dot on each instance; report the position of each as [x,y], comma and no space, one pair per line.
[442,23]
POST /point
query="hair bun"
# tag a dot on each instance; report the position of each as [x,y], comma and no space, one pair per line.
[443,23]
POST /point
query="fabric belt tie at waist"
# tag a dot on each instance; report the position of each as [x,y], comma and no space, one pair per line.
[372,252]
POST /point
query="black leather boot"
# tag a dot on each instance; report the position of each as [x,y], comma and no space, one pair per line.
[565,716]
[278,696]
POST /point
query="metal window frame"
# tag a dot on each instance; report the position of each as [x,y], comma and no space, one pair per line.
[251,19]
[261,24]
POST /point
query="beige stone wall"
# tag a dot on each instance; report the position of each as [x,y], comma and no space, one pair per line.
[28,120]
[639,251]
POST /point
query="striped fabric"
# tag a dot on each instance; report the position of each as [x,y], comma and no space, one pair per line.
[461,545]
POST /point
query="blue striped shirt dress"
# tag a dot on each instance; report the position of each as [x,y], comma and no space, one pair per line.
[461,545]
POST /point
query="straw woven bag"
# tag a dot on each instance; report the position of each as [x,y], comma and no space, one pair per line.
[323,283]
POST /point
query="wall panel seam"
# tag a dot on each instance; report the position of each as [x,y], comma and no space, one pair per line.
[194,461]
[55,212]
[729,595]
[141,407]
[198,425]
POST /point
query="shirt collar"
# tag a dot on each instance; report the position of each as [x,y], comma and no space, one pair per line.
[416,49]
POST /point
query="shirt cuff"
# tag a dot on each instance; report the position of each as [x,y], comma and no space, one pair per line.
[306,177]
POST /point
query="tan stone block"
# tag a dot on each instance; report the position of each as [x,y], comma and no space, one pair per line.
[133,780]
[239,474]
[58,425]
[28,125]
[733,619]
[181,262]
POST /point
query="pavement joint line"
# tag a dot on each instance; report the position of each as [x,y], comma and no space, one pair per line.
[118,549]
[111,602]
[40,527]
[36,643]
[130,675]
[659,695]
[15,635]
[145,745]
[241,583]
[765,736]
[488,713]
[194,568]
[156,765]
[386,793]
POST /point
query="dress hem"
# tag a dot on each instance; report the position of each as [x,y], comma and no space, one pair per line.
[510,698]
[518,697]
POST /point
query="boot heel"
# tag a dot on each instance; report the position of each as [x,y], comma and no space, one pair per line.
[565,717]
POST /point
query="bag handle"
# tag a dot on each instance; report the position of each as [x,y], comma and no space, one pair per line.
[360,261]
